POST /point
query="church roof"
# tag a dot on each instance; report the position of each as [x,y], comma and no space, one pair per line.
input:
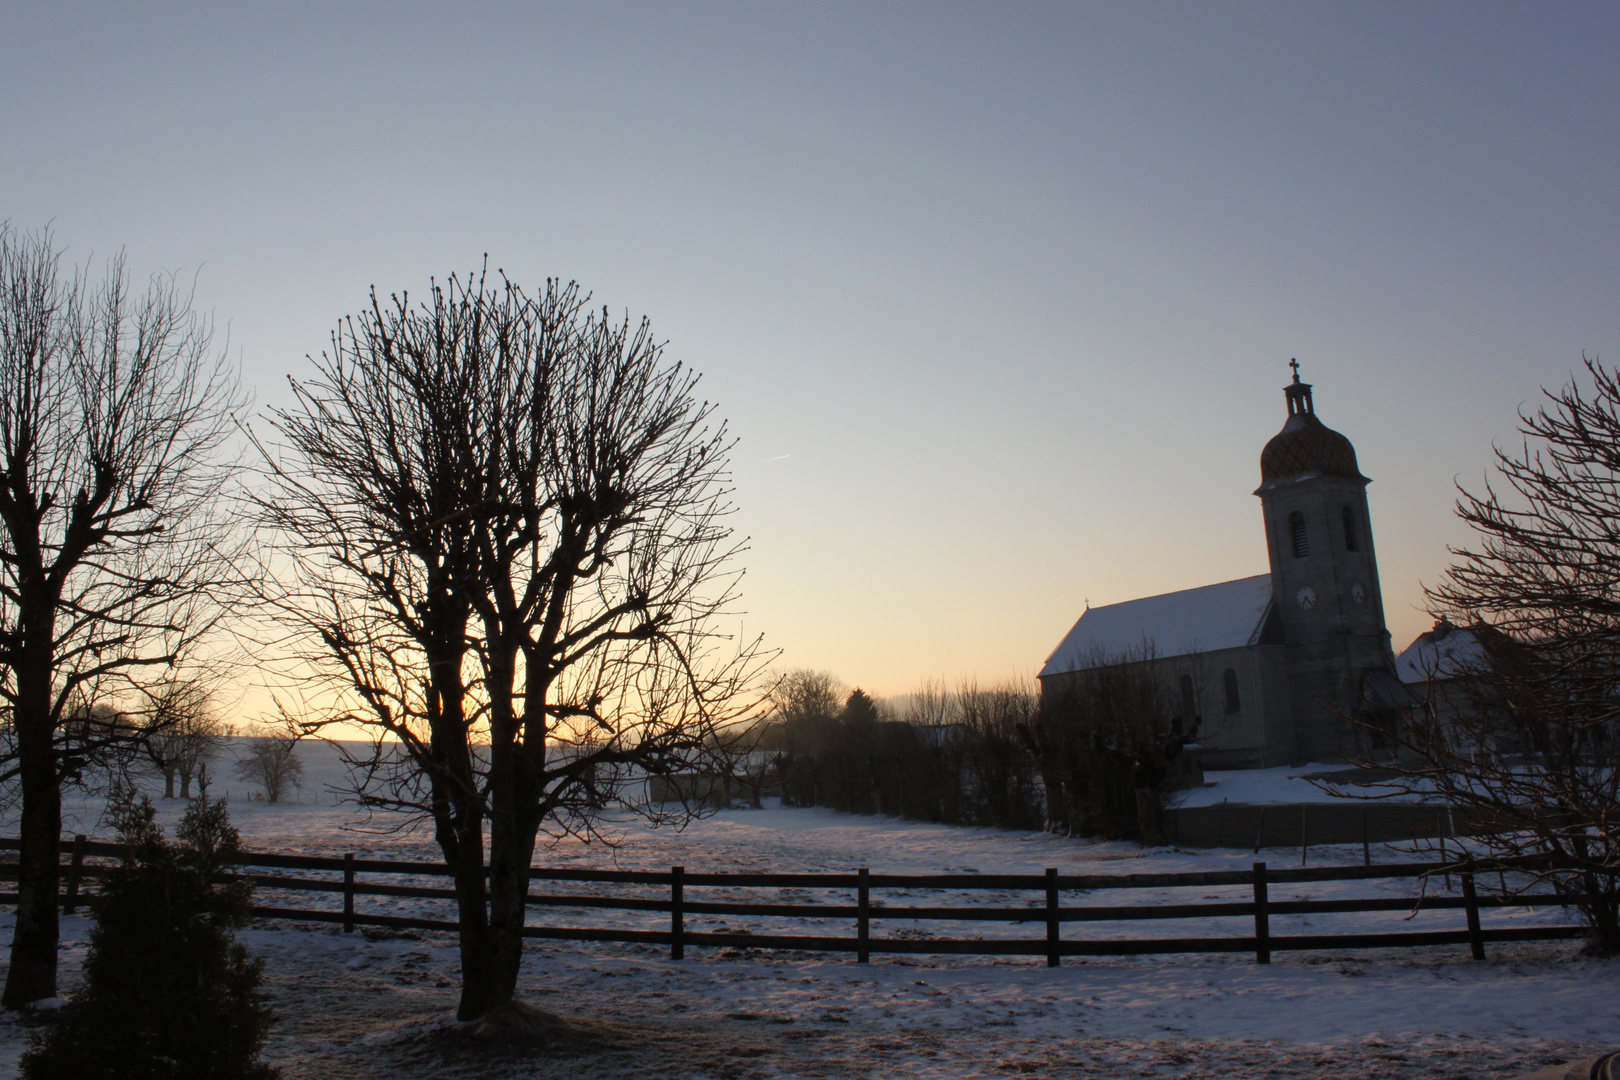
[1193,620]
[1305,446]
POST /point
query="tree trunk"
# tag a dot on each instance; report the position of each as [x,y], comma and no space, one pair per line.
[1598,903]
[1050,766]
[480,982]
[511,850]
[1149,817]
[32,975]
[168,783]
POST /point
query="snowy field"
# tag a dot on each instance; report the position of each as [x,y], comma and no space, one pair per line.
[376,1005]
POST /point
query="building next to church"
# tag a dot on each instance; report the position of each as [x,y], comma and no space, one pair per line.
[1271,666]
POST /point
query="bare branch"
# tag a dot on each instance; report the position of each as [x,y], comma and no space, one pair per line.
[506,521]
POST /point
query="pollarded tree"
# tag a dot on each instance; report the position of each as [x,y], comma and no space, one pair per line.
[1108,741]
[113,409]
[506,516]
[1004,789]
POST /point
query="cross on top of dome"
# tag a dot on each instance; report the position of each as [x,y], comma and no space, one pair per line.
[1298,394]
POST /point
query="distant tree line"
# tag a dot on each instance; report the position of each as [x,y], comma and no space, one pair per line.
[951,756]
[1099,758]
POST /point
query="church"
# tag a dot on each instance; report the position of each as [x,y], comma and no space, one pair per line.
[1271,666]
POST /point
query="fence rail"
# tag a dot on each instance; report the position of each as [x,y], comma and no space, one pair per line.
[1047,906]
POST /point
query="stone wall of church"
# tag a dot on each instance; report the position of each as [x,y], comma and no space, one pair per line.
[1240,738]
[1228,738]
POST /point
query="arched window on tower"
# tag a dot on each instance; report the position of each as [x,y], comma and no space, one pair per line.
[1302,541]
[1233,702]
[1189,700]
[1351,541]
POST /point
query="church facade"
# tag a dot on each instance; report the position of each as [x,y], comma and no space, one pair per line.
[1270,666]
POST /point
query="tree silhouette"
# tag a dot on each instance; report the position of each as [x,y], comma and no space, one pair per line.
[115,551]
[1522,730]
[507,516]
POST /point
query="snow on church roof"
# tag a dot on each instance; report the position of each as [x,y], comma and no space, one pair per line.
[1193,620]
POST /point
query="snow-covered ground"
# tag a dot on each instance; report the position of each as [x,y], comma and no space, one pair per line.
[357,1005]
[1269,787]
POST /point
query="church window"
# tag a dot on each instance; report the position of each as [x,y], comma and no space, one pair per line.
[1350,540]
[1302,541]
[1189,700]
[1233,702]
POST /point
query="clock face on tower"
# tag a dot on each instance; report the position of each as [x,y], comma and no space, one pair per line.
[1305,598]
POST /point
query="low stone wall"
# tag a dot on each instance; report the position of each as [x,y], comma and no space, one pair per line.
[1239,825]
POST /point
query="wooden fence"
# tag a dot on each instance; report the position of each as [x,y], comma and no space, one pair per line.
[1048,907]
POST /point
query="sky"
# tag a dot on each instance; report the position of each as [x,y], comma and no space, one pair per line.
[998,299]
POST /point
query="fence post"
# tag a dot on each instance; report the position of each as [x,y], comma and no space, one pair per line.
[1476,939]
[863,917]
[70,902]
[1052,958]
[1439,828]
[677,920]
[348,893]
[1304,836]
[1261,831]
[1262,918]
[1366,847]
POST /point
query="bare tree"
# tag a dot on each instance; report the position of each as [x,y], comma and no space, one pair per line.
[182,733]
[801,707]
[99,740]
[269,758]
[113,408]
[1003,778]
[1521,732]
[507,516]
[800,729]
[931,705]
[805,694]
[1107,740]
[956,757]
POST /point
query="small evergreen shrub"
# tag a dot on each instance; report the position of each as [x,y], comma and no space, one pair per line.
[168,994]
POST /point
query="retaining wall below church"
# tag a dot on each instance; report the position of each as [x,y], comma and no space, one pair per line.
[1238,825]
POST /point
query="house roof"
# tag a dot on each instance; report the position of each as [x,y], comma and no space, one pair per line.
[1442,653]
[1193,620]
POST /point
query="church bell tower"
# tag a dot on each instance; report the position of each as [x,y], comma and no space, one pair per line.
[1324,578]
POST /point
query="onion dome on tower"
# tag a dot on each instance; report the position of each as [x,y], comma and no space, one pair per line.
[1306,447]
